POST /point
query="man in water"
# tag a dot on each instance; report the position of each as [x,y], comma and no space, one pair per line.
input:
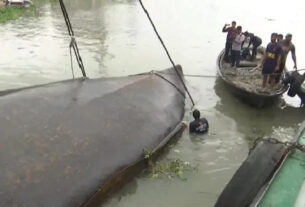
[271,61]
[286,46]
[230,36]
[236,46]
[255,41]
[199,125]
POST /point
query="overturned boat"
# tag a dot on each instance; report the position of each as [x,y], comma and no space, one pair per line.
[272,175]
[73,142]
[245,81]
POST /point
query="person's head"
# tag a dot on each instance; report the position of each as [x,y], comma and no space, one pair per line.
[239,29]
[273,37]
[196,114]
[288,37]
[234,24]
[279,37]
[246,33]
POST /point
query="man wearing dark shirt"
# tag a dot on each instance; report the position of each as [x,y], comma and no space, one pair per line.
[230,37]
[199,125]
[255,41]
[295,81]
[271,61]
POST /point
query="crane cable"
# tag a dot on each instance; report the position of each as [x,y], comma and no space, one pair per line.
[168,55]
[73,42]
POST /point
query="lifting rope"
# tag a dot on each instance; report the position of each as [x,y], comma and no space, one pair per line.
[290,145]
[168,55]
[73,43]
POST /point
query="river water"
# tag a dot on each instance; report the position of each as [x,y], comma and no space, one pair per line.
[115,39]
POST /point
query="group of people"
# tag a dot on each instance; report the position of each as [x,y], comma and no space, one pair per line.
[275,57]
[272,65]
[235,41]
[274,60]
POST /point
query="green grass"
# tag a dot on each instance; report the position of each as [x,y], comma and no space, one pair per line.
[10,13]
[14,12]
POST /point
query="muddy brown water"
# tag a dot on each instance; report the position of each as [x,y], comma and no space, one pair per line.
[115,39]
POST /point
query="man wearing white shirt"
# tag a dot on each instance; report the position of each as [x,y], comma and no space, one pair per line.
[236,46]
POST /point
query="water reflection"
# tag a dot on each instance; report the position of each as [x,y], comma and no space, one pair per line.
[127,191]
[198,139]
[36,48]
[254,122]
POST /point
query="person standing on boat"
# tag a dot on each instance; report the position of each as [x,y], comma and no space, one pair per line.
[199,125]
[255,41]
[271,61]
[230,36]
[286,46]
[236,46]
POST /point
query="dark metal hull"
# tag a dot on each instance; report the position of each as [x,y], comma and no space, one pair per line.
[252,175]
[254,99]
[251,182]
[73,142]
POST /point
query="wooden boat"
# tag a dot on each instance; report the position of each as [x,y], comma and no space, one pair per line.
[272,175]
[246,80]
[18,2]
[73,142]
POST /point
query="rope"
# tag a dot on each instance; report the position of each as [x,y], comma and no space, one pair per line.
[290,145]
[73,43]
[201,76]
[168,55]
[300,69]
[71,63]
[160,76]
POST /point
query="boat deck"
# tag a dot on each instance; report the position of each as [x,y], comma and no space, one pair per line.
[248,76]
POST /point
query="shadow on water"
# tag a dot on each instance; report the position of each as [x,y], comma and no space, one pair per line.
[128,190]
[277,120]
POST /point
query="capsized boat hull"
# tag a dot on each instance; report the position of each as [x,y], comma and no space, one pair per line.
[66,143]
[254,173]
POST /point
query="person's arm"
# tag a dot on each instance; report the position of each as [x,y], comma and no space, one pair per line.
[278,61]
[242,44]
[225,29]
[264,59]
[294,58]
[250,42]
[288,80]
[239,39]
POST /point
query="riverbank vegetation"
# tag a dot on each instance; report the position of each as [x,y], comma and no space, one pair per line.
[14,12]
